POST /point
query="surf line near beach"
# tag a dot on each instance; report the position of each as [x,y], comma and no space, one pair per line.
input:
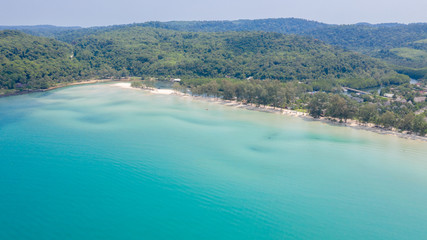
[233,103]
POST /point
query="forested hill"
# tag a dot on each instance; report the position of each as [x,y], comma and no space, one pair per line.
[140,51]
[363,37]
[40,30]
[279,25]
[398,44]
[33,62]
[149,51]
[401,45]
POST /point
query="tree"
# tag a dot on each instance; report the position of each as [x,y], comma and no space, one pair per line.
[407,122]
[44,84]
[211,88]
[289,92]
[340,107]
[228,90]
[420,125]
[368,113]
[179,87]
[387,119]
[317,104]
[136,84]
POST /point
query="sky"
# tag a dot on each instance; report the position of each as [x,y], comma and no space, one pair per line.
[87,13]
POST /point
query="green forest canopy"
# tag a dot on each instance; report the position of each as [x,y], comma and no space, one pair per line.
[397,44]
[33,62]
[144,51]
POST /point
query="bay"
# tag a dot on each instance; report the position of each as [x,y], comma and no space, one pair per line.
[101,162]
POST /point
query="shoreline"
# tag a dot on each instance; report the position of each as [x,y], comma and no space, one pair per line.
[334,122]
[79,83]
[61,85]
[124,83]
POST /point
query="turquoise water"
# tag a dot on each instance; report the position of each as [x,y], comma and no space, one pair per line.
[101,162]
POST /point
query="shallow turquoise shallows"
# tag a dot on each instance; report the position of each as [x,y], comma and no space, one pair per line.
[103,162]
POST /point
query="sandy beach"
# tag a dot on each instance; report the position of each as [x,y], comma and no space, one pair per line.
[232,103]
[127,85]
[123,85]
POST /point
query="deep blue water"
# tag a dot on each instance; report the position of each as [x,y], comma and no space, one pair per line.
[101,162]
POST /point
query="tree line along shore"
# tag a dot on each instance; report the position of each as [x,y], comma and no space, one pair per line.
[376,110]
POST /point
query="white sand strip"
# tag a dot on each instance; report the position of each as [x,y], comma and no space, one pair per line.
[123,85]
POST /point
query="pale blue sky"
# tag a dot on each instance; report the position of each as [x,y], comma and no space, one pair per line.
[108,12]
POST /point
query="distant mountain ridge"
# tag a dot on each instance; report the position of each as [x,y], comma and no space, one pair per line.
[279,25]
[40,30]
[392,42]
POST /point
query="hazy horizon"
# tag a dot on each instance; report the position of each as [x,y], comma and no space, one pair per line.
[103,13]
[48,24]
